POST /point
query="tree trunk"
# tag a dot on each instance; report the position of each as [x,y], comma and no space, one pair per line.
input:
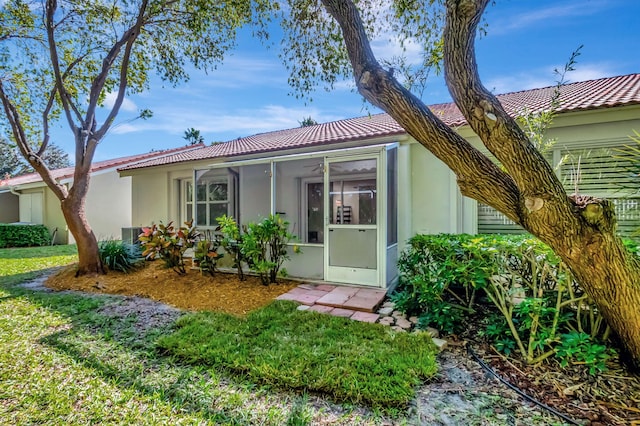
[581,230]
[73,209]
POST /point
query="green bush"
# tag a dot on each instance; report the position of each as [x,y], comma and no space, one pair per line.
[231,241]
[119,256]
[532,298]
[206,255]
[264,246]
[24,235]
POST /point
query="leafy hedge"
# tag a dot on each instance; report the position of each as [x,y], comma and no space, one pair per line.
[24,235]
[515,285]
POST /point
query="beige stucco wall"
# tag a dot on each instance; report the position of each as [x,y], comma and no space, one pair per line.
[54,219]
[9,210]
[436,205]
[150,198]
[108,204]
[585,129]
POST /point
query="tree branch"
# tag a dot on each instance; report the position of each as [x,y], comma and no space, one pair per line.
[51,7]
[477,176]
[50,103]
[21,140]
[541,190]
[128,39]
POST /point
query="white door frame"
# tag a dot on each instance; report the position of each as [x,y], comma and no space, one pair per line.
[350,275]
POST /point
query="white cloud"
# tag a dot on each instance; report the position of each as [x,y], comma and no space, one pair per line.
[544,77]
[240,123]
[242,72]
[392,47]
[127,104]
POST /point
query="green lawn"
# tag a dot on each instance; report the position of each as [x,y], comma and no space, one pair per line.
[352,361]
[21,264]
[66,359]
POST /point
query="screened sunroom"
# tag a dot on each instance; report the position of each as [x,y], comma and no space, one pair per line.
[341,205]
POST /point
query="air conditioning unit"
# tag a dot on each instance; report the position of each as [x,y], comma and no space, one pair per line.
[130,235]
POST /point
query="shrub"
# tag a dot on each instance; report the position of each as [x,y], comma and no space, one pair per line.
[529,288]
[206,255]
[231,241]
[24,235]
[264,246]
[169,244]
[119,256]
[580,347]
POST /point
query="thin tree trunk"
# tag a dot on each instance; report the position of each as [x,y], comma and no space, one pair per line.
[73,209]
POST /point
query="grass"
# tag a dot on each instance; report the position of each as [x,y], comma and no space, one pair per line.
[22,264]
[279,345]
[65,359]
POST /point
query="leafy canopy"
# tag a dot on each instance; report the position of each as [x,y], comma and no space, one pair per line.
[90,42]
[12,164]
[406,36]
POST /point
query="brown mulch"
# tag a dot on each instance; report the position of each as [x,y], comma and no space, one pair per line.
[608,398]
[193,291]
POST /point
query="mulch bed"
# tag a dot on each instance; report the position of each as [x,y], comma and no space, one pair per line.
[609,398]
[193,291]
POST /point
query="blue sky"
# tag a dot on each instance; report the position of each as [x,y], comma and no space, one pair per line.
[248,94]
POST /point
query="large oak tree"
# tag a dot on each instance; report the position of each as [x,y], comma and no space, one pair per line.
[580,229]
[59,59]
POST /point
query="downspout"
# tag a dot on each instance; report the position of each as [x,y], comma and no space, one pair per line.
[12,189]
[236,192]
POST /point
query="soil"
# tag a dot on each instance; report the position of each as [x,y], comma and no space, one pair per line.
[462,392]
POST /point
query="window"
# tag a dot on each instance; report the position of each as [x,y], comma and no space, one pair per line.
[211,197]
[186,190]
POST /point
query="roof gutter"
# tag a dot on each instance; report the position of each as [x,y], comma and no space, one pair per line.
[315,154]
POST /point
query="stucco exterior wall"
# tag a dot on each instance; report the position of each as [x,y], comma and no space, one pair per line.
[108,204]
[150,198]
[9,208]
[54,219]
[436,203]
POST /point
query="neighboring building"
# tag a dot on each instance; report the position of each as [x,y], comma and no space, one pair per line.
[27,198]
[355,190]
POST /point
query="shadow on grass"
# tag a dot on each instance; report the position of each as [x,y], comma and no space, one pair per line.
[114,349]
[23,278]
[36,252]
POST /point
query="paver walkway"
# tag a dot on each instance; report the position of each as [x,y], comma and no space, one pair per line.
[357,303]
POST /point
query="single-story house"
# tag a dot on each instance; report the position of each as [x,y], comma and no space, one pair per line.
[27,199]
[355,190]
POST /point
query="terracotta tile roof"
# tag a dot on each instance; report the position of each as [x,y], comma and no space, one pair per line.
[592,94]
[67,172]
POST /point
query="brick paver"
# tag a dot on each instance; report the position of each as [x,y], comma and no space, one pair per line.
[357,303]
[365,316]
[339,312]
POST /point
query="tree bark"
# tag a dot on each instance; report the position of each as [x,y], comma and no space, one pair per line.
[73,209]
[581,230]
